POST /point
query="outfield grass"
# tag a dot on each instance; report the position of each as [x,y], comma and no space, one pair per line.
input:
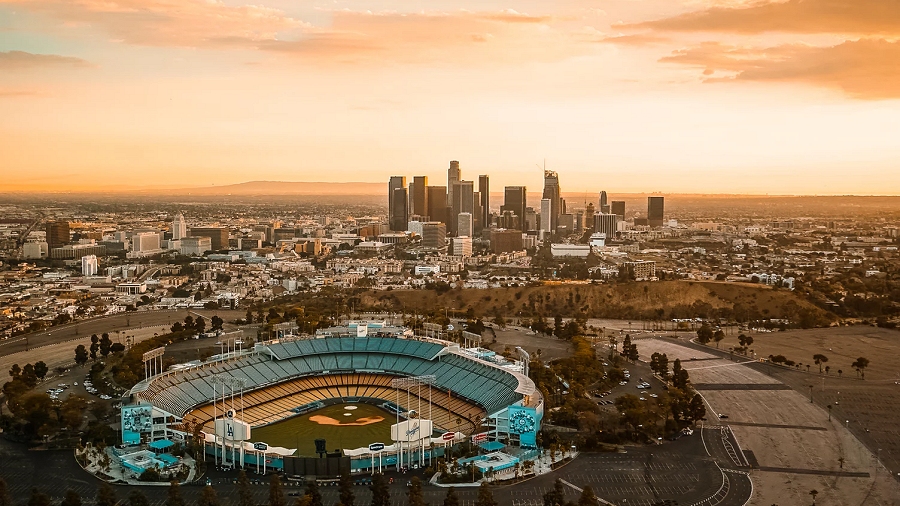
[300,431]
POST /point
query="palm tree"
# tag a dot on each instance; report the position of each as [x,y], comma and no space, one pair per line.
[814,493]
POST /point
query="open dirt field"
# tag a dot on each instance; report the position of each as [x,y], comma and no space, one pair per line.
[867,407]
[786,433]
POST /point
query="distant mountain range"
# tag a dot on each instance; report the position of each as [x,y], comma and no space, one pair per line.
[288,188]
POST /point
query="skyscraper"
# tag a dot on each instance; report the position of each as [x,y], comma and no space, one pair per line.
[546,218]
[604,206]
[655,211]
[514,201]
[484,192]
[463,201]
[57,234]
[179,227]
[464,225]
[618,208]
[418,196]
[453,176]
[398,210]
[437,203]
[607,224]
[551,191]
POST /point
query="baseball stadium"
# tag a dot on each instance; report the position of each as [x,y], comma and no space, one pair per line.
[368,394]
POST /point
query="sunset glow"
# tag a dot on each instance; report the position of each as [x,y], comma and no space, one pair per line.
[724,96]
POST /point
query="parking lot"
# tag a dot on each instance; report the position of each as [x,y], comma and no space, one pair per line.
[790,437]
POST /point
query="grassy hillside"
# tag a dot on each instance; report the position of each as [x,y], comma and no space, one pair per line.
[659,300]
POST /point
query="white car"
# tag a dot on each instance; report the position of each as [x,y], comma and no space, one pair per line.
[654,396]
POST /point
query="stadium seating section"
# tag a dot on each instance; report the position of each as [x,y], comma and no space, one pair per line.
[298,372]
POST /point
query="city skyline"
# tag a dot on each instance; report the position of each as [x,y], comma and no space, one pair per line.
[695,96]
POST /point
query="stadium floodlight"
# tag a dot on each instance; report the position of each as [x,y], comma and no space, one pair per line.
[413,381]
[471,336]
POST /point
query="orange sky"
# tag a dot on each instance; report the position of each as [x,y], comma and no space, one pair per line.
[732,96]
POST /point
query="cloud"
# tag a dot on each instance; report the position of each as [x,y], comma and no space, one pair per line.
[351,36]
[184,23]
[18,60]
[639,39]
[861,17]
[434,38]
[865,68]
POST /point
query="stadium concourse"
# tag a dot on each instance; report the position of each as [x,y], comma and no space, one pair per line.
[447,391]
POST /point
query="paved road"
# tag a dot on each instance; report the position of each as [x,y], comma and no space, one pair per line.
[121,322]
[643,476]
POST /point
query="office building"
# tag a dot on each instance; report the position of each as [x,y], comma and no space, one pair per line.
[551,192]
[436,203]
[399,210]
[463,201]
[604,206]
[655,211]
[617,207]
[514,201]
[57,234]
[179,227]
[478,214]
[566,224]
[89,265]
[464,225]
[418,196]
[579,221]
[484,194]
[74,251]
[453,176]
[508,219]
[606,224]
[434,235]
[462,246]
[218,236]
[145,243]
[35,250]
[195,246]
[531,220]
[546,220]
[504,241]
[398,203]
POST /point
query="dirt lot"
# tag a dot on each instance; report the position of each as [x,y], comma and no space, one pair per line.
[814,444]
[868,407]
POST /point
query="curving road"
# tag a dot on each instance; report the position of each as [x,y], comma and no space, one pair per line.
[123,322]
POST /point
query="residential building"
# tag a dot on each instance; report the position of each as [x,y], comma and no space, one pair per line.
[462,246]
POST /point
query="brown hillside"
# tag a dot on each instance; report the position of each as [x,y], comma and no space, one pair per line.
[659,300]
